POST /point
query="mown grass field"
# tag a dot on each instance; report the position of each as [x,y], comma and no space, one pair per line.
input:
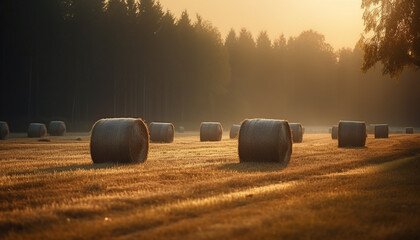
[194,190]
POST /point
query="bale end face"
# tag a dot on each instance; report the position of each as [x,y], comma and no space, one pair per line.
[119,140]
[381,131]
[4,130]
[265,140]
[211,131]
[351,134]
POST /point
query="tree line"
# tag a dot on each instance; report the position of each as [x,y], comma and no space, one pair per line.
[81,60]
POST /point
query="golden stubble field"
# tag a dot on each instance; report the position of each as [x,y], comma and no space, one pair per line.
[199,190]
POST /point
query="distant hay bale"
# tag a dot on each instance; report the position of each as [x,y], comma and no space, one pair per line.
[329,130]
[234,131]
[211,131]
[4,130]
[303,130]
[351,134]
[265,140]
[409,130]
[181,129]
[334,132]
[161,132]
[119,140]
[36,130]
[297,132]
[57,128]
[381,131]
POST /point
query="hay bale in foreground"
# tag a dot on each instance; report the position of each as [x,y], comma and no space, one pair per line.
[297,132]
[381,131]
[161,132]
[351,134]
[211,131]
[119,140]
[265,140]
[334,132]
[409,130]
[4,130]
[36,130]
[57,128]
[181,129]
[234,131]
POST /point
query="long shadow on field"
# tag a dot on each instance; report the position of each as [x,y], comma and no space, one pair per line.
[252,167]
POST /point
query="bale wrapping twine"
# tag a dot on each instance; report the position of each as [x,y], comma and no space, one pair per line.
[36,130]
[265,140]
[211,131]
[119,140]
[57,128]
[409,130]
[4,130]
[334,132]
[297,132]
[234,131]
[351,134]
[381,131]
[161,132]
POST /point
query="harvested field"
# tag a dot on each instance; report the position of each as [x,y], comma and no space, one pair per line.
[190,189]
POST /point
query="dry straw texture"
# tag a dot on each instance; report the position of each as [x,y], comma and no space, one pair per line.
[334,132]
[381,131]
[297,132]
[409,130]
[119,140]
[57,128]
[265,140]
[161,132]
[211,131]
[37,130]
[4,130]
[234,131]
[351,134]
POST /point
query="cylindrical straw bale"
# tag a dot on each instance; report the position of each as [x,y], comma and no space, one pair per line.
[161,132]
[381,131]
[4,130]
[297,132]
[57,128]
[36,130]
[234,131]
[409,130]
[211,131]
[351,134]
[181,129]
[265,140]
[334,132]
[119,140]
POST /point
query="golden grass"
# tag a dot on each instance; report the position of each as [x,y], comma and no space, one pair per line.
[191,189]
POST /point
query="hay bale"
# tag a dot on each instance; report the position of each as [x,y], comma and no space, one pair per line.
[265,140]
[211,131]
[297,132]
[36,130]
[119,140]
[381,131]
[161,132]
[234,131]
[329,130]
[181,129]
[409,130]
[334,132]
[56,128]
[4,130]
[351,134]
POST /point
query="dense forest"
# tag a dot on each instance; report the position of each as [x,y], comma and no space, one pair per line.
[81,60]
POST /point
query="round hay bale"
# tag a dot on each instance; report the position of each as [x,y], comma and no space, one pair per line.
[234,131]
[211,131]
[57,128]
[297,132]
[265,140]
[36,130]
[119,140]
[181,129]
[409,130]
[334,132]
[381,131]
[161,132]
[351,134]
[4,130]
[329,130]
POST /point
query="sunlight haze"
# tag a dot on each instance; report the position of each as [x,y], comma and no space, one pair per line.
[340,21]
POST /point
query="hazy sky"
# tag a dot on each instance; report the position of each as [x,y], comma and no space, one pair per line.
[339,20]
